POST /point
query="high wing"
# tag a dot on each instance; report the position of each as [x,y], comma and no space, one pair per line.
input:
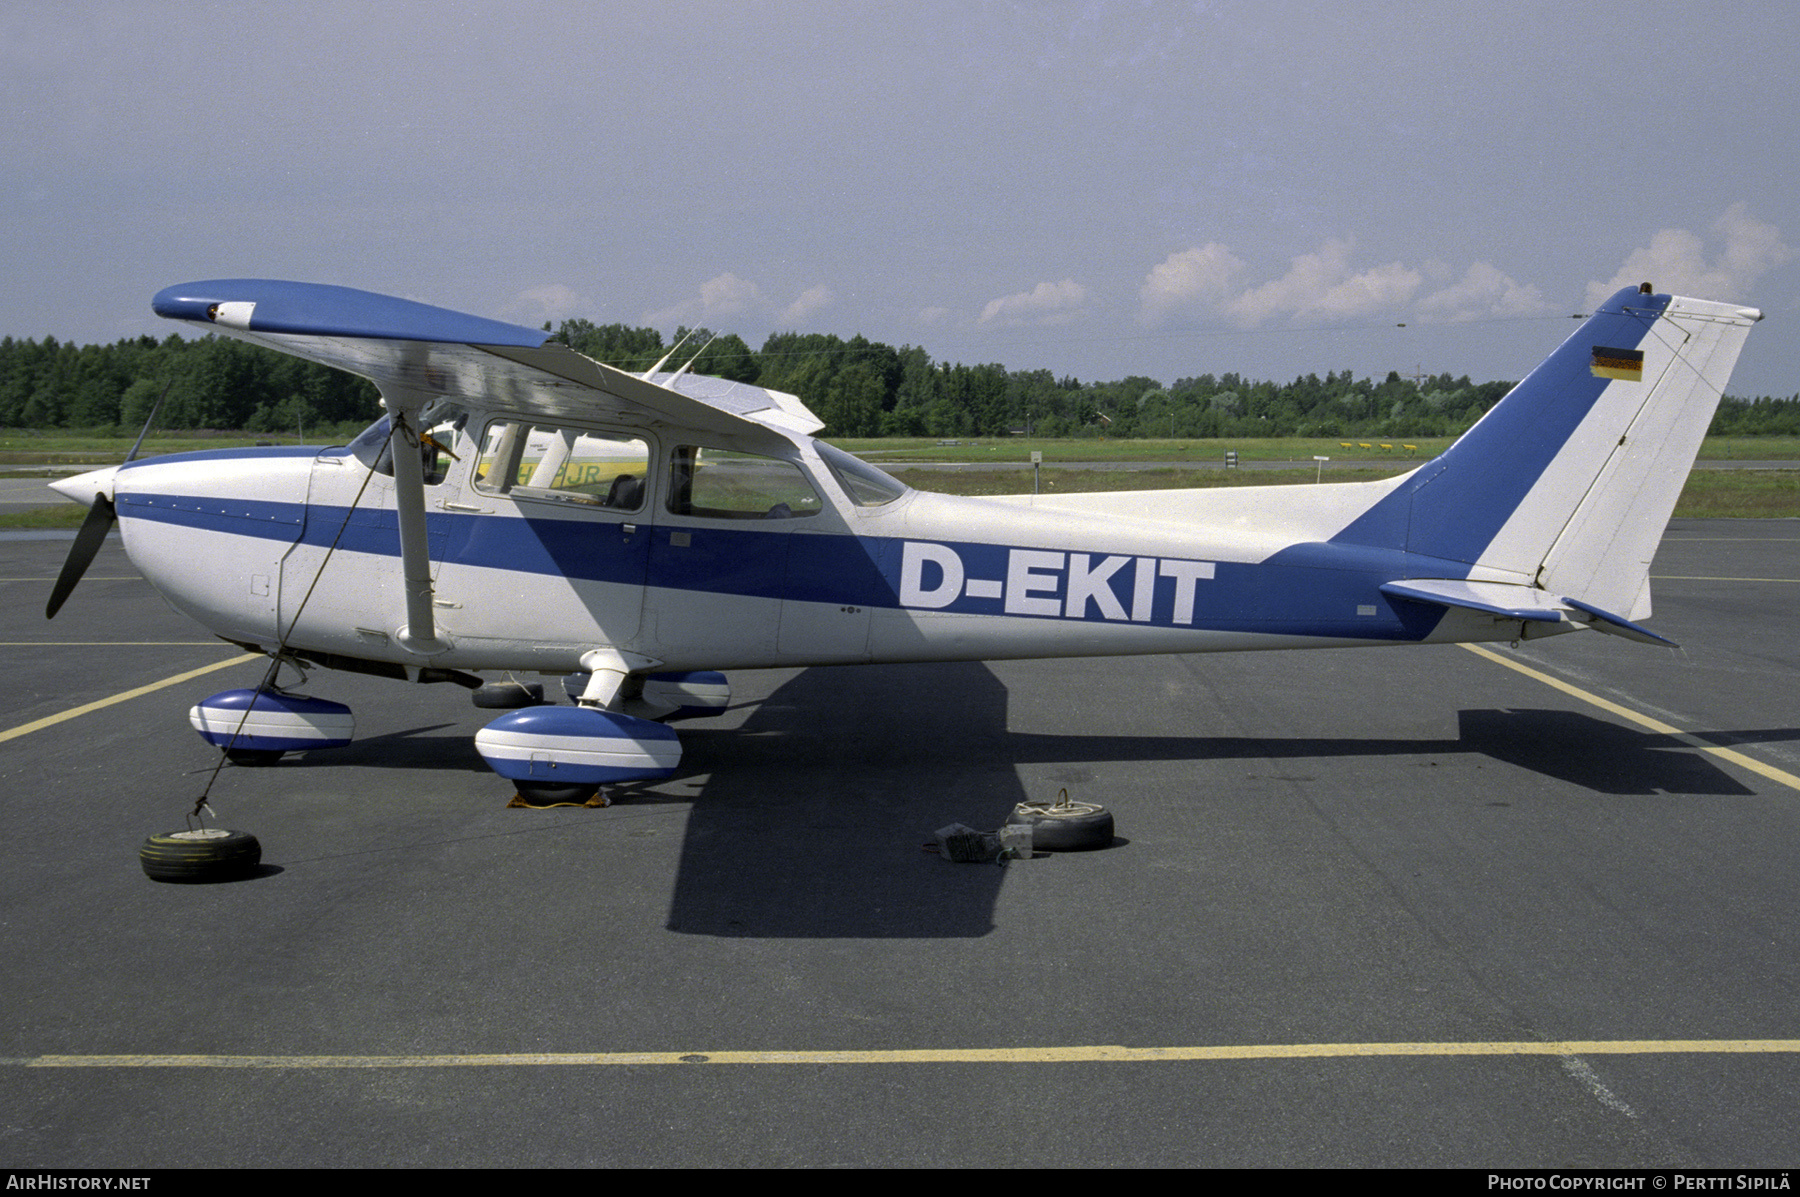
[413,349]
[417,355]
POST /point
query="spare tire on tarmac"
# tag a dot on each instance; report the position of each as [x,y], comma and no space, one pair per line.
[210,854]
[1065,826]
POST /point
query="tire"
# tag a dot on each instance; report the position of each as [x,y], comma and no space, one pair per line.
[252,758]
[549,793]
[213,854]
[1065,827]
[507,696]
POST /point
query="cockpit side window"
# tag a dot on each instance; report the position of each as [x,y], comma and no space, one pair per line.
[718,484]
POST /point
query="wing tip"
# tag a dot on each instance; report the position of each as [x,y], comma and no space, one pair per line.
[281,307]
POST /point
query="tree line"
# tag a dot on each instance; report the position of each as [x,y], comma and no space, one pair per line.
[859,387]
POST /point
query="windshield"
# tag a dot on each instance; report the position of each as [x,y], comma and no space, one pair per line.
[373,446]
[866,485]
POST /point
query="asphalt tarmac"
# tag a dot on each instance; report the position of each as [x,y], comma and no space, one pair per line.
[1414,907]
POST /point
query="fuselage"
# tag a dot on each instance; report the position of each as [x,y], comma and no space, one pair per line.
[639,540]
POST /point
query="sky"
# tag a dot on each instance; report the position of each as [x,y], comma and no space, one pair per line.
[1097,189]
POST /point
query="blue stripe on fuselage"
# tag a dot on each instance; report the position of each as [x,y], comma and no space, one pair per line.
[1324,590]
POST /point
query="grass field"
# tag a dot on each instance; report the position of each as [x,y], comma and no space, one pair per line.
[1709,494]
[62,515]
[887,453]
[1301,450]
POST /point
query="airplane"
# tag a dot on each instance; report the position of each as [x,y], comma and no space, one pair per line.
[520,508]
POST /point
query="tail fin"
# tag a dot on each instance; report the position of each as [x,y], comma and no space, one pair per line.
[1567,483]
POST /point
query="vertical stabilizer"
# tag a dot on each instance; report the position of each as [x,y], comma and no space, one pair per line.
[1567,484]
[1602,555]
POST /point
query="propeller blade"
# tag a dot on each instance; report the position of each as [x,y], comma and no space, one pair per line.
[99,521]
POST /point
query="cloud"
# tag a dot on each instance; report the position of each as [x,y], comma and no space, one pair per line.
[553,302]
[1047,303]
[1192,278]
[721,298]
[1324,286]
[728,295]
[726,299]
[1321,286]
[1484,292]
[1675,261]
[811,300]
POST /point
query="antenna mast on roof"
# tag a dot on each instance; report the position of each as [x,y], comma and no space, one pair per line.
[692,360]
[665,357]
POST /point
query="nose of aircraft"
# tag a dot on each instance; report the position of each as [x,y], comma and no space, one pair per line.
[94,489]
[84,488]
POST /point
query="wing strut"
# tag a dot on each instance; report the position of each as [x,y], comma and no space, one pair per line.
[420,633]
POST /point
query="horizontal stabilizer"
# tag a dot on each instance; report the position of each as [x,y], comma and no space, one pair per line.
[1493,598]
[1510,601]
[1614,625]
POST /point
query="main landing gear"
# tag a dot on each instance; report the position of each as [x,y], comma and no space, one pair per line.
[550,752]
[564,754]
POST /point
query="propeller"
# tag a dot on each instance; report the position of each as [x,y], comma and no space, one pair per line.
[100,520]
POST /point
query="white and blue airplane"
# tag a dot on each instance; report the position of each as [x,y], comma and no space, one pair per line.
[523,508]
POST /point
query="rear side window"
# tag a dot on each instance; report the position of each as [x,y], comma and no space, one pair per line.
[721,485]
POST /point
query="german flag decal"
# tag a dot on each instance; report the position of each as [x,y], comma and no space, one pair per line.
[1627,364]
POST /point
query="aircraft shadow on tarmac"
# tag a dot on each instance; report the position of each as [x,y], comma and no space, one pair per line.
[812,815]
[810,823]
[413,748]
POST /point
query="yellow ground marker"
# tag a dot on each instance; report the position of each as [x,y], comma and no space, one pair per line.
[1780,776]
[1099,1054]
[25,729]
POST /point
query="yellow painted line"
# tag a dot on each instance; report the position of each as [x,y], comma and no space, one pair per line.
[1099,1054]
[84,577]
[109,644]
[26,729]
[1780,776]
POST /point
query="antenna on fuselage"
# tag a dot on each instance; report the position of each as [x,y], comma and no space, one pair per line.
[154,408]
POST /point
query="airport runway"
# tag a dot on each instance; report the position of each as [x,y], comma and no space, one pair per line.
[1530,907]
